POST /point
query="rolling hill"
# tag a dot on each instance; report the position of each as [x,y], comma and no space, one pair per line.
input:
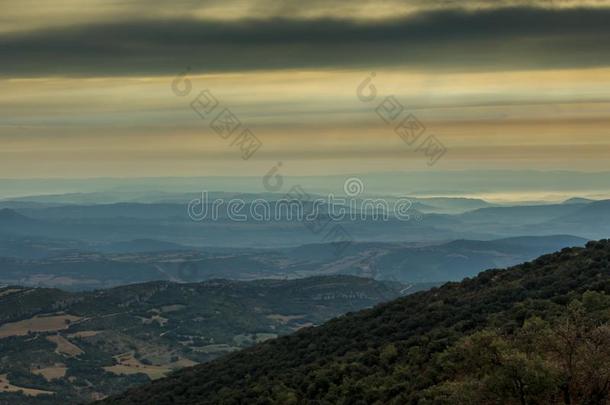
[503,337]
[78,347]
[72,265]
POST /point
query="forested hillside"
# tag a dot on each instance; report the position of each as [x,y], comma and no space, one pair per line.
[533,334]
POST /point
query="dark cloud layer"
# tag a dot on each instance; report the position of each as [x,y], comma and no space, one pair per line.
[511,38]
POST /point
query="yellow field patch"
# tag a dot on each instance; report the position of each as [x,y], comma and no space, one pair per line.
[64,346]
[130,365]
[182,363]
[51,373]
[37,324]
[85,334]
[153,372]
[6,386]
[284,318]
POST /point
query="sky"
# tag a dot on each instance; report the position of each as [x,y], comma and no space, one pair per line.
[103,88]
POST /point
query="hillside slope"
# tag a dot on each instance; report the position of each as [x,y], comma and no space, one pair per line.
[78,347]
[400,352]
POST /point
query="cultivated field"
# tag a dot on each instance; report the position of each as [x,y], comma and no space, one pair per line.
[37,324]
[6,386]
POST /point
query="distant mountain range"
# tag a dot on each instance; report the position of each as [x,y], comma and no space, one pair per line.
[578,200]
[417,263]
[417,183]
[76,266]
[104,224]
[505,336]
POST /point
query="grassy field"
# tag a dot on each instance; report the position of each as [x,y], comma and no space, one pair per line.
[84,334]
[128,364]
[6,386]
[52,373]
[64,346]
[38,323]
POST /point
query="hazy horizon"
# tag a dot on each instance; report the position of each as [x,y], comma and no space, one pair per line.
[494,185]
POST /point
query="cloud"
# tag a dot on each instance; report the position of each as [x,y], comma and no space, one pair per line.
[494,39]
[24,15]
